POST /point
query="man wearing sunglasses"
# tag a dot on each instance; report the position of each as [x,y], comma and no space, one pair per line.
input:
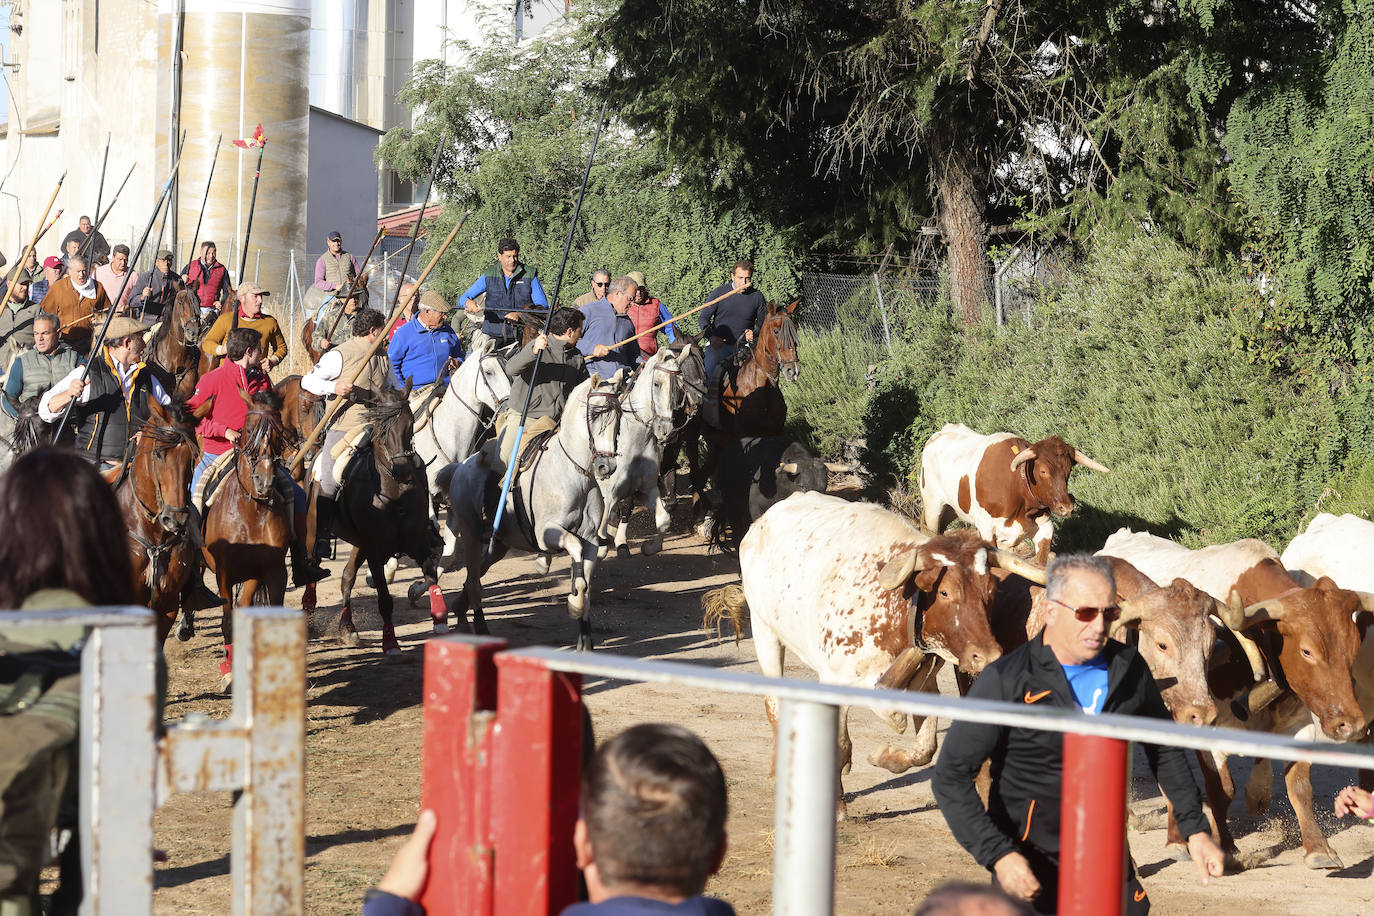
[1071,664]
[601,282]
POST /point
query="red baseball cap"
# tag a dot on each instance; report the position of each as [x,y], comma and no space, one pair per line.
[52,261]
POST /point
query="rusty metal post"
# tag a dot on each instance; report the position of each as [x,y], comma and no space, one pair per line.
[1092,826]
[117,763]
[268,852]
[536,773]
[460,710]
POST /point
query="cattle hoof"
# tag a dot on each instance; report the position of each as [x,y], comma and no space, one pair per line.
[414,592]
[622,551]
[1179,852]
[1323,860]
[186,626]
[891,759]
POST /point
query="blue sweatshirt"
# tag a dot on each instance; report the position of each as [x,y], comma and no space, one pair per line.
[604,326]
[420,353]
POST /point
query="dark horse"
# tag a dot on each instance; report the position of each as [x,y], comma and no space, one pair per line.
[383,511]
[173,352]
[247,527]
[23,432]
[301,412]
[152,492]
[750,402]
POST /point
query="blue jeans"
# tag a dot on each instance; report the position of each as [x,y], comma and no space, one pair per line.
[715,356]
[206,460]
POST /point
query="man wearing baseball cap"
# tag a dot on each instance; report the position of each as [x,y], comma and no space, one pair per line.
[425,349]
[51,273]
[248,314]
[160,287]
[16,321]
[336,269]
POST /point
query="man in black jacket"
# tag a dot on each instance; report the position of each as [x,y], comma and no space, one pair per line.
[1070,664]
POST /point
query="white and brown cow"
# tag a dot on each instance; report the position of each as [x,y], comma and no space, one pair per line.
[816,573]
[1310,636]
[1003,485]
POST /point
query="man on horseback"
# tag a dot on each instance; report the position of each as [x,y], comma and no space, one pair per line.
[112,403]
[512,288]
[561,370]
[334,324]
[39,367]
[248,315]
[16,321]
[601,280]
[736,318]
[425,349]
[331,378]
[607,323]
[212,276]
[76,299]
[222,427]
[336,270]
[160,287]
[646,311]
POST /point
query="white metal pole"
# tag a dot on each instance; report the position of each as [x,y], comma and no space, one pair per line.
[804,809]
[118,758]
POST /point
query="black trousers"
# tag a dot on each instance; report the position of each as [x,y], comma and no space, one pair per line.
[1046,869]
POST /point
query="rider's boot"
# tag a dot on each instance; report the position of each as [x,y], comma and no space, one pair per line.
[197,596]
[323,516]
[305,569]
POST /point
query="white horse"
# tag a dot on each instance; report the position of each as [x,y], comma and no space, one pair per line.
[548,506]
[477,390]
[647,423]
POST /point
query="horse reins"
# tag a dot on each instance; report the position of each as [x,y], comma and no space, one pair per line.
[616,407]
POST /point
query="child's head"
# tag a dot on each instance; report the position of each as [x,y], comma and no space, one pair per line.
[653,811]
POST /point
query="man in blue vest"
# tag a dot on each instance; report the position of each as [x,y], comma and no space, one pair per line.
[511,286]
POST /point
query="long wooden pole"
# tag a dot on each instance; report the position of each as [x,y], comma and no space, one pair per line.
[206,198]
[353,286]
[382,337]
[100,217]
[664,324]
[100,188]
[109,315]
[252,205]
[539,357]
[9,287]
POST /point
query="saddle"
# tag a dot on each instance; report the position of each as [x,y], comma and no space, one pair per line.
[353,443]
[532,448]
[203,496]
[424,402]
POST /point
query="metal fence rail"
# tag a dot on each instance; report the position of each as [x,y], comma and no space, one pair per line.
[494,756]
[126,772]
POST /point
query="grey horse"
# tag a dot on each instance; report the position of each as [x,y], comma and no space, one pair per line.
[547,508]
[647,423]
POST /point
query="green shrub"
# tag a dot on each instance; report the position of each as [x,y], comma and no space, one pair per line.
[826,404]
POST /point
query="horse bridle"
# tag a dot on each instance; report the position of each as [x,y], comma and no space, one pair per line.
[617,408]
[267,427]
[170,437]
[387,461]
[787,331]
[476,411]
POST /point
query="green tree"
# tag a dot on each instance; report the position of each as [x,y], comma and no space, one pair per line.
[519,122]
[871,115]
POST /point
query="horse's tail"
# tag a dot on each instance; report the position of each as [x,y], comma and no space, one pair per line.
[719,537]
[720,603]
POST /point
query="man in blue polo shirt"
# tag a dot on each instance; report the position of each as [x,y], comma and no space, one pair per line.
[512,287]
[607,322]
[423,347]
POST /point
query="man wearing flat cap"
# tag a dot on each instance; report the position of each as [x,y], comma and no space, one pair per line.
[336,269]
[425,349]
[248,314]
[160,287]
[112,402]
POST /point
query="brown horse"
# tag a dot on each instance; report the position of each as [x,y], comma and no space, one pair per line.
[152,493]
[173,352]
[301,412]
[247,527]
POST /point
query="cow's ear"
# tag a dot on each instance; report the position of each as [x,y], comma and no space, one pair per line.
[926,578]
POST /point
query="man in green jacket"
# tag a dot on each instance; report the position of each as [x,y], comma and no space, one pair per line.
[560,371]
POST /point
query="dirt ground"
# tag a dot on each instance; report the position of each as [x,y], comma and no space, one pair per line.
[363,761]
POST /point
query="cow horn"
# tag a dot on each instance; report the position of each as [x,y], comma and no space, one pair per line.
[1019,565]
[1233,614]
[1021,457]
[836,467]
[902,669]
[1089,463]
[1262,611]
[788,468]
[1366,600]
[894,573]
[1131,612]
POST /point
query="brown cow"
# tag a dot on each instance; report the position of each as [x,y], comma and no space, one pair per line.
[1001,484]
[839,584]
[1309,638]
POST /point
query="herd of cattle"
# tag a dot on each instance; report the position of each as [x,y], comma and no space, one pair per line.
[1235,634]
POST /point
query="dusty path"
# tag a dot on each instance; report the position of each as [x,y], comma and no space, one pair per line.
[363,762]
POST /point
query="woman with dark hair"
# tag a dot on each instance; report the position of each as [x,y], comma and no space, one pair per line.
[62,545]
[60,528]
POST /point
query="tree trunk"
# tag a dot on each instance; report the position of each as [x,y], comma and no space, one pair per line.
[961,184]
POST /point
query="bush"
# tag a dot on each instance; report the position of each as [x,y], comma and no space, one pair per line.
[827,402]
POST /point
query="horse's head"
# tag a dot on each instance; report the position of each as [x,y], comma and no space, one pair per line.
[482,371]
[603,421]
[655,394]
[30,430]
[186,319]
[392,433]
[778,340]
[163,460]
[261,443]
[691,366]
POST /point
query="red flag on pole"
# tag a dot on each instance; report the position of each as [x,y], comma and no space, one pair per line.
[258,139]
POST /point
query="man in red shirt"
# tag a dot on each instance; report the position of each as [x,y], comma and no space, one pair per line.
[220,431]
